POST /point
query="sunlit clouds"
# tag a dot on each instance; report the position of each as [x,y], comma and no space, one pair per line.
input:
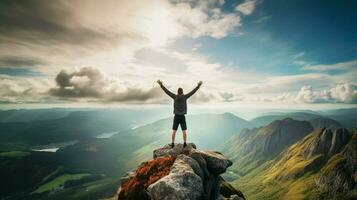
[114,51]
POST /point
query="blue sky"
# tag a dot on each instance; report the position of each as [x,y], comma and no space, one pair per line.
[249,52]
[281,32]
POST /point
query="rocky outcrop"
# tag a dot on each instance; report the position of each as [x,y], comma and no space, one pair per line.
[180,173]
[339,175]
[328,142]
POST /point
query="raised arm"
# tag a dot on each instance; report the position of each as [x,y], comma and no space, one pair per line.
[188,95]
[172,95]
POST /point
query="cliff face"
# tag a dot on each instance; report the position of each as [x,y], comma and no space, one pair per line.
[339,175]
[180,173]
[328,142]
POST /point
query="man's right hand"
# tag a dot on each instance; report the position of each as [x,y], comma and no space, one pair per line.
[159,82]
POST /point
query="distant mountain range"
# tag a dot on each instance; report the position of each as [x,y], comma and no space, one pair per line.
[345,117]
[91,167]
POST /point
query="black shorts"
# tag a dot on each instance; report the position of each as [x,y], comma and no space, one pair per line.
[179,119]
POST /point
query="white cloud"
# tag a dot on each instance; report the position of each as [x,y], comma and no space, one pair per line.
[307,95]
[199,21]
[80,33]
[298,55]
[23,90]
[136,47]
[339,93]
[301,63]
[247,7]
[345,93]
[337,66]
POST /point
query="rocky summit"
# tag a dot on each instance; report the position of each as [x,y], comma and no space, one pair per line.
[180,174]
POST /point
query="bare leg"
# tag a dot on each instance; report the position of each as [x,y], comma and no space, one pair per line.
[184,136]
[173,136]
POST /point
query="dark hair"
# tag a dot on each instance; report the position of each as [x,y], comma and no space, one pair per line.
[180,91]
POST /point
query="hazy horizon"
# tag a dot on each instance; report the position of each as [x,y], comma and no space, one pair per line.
[164,111]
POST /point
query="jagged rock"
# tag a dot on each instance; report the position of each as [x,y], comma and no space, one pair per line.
[339,140]
[201,161]
[181,183]
[177,150]
[339,175]
[193,164]
[194,174]
[328,142]
[232,197]
[216,162]
[227,190]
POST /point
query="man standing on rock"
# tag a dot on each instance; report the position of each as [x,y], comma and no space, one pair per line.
[180,109]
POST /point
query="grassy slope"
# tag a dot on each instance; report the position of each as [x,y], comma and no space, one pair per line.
[14,154]
[100,189]
[278,179]
[58,182]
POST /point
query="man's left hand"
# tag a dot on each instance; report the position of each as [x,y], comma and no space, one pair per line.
[199,83]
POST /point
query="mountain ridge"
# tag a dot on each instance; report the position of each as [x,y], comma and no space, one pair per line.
[305,169]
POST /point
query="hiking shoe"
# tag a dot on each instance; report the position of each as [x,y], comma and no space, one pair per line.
[184,145]
[172,145]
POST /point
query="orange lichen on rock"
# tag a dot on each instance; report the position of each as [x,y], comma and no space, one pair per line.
[148,173]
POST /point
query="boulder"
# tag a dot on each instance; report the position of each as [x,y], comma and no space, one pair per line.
[193,164]
[181,183]
[201,161]
[216,162]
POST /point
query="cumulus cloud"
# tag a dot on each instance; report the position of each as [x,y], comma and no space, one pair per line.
[307,95]
[340,93]
[345,92]
[89,82]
